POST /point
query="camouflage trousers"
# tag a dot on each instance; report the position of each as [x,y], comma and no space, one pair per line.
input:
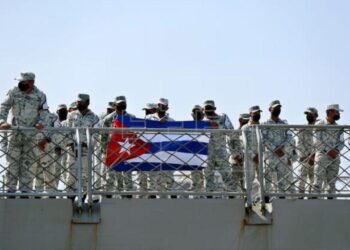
[120,181]
[251,173]
[162,181]
[197,177]
[237,178]
[278,167]
[44,169]
[326,172]
[218,163]
[20,158]
[306,176]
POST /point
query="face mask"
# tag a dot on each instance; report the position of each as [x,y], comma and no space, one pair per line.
[23,87]
[336,117]
[121,107]
[276,112]
[81,106]
[62,114]
[197,116]
[310,119]
[256,118]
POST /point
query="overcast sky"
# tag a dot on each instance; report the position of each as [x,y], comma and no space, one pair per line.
[238,53]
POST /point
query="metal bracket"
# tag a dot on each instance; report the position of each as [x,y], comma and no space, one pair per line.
[87,214]
[256,216]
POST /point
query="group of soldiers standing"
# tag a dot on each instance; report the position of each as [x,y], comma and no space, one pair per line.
[38,161]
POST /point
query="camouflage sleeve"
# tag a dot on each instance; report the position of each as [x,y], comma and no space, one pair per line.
[340,144]
[267,138]
[234,144]
[42,116]
[301,145]
[106,123]
[5,108]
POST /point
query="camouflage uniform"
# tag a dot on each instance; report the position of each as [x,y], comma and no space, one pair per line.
[25,111]
[235,145]
[274,139]
[77,120]
[44,168]
[218,157]
[124,179]
[305,148]
[326,169]
[161,180]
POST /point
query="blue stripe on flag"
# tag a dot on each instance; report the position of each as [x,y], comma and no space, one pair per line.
[149,166]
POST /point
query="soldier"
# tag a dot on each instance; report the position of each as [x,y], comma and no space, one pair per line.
[25,101]
[251,168]
[276,157]
[329,143]
[197,175]
[44,168]
[124,179]
[218,157]
[150,109]
[83,117]
[162,181]
[237,156]
[72,107]
[306,151]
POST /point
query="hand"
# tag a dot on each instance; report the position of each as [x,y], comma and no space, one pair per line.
[39,126]
[239,159]
[42,144]
[5,125]
[163,120]
[256,159]
[332,153]
[279,152]
[311,160]
[214,125]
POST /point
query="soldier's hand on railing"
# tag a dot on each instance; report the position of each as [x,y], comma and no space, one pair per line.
[5,125]
[58,151]
[311,160]
[256,159]
[42,144]
[71,146]
[239,159]
[279,152]
[214,125]
[332,153]
[39,126]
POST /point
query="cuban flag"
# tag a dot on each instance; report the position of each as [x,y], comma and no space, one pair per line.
[151,151]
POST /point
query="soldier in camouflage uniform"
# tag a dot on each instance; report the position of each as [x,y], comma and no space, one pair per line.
[44,168]
[162,180]
[252,157]
[235,144]
[306,152]
[83,117]
[329,143]
[25,101]
[218,157]
[276,142]
[150,109]
[123,179]
[197,175]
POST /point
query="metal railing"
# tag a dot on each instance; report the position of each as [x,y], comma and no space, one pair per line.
[257,163]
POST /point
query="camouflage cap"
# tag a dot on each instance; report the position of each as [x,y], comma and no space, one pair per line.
[334,107]
[244,116]
[163,101]
[150,106]
[83,98]
[111,105]
[120,99]
[197,107]
[254,109]
[26,76]
[61,106]
[311,110]
[210,103]
[73,105]
[275,103]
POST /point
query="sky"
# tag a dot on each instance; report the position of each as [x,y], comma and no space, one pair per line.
[238,53]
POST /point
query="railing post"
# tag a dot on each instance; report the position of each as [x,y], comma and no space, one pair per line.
[261,166]
[79,166]
[247,169]
[89,166]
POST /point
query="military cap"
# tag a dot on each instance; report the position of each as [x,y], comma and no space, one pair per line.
[61,106]
[73,105]
[244,116]
[334,107]
[275,103]
[26,76]
[150,106]
[311,110]
[254,109]
[163,101]
[197,107]
[120,99]
[83,98]
[111,105]
[210,103]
